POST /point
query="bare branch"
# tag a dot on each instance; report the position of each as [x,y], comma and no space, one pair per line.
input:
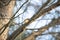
[41,30]
[43,11]
[8,24]
[38,14]
[51,33]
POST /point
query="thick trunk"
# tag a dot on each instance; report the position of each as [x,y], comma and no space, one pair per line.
[5,12]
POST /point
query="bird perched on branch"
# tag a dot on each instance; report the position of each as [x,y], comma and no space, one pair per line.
[26,20]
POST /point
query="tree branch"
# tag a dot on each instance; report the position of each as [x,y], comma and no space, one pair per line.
[34,17]
[42,29]
[8,24]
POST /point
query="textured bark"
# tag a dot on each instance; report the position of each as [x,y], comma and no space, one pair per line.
[5,13]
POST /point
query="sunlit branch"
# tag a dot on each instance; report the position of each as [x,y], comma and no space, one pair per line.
[51,33]
[5,26]
[38,14]
[44,28]
[43,11]
[22,27]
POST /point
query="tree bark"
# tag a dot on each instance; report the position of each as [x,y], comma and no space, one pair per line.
[5,14]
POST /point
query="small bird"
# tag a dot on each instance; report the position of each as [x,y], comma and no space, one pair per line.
[26,20]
